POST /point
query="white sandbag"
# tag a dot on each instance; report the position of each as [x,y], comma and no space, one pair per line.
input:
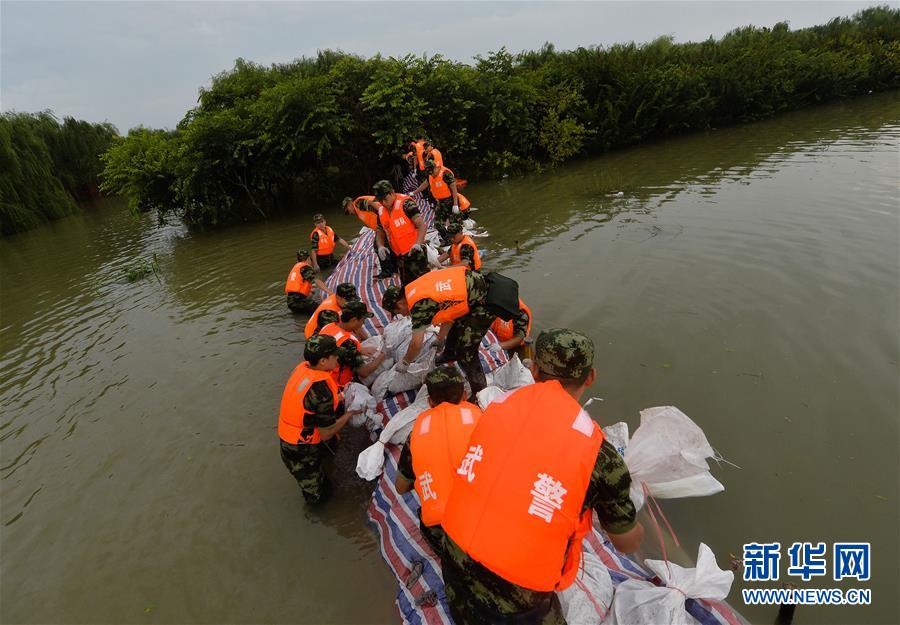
[381,383]
[374,343]
[668,454]
[395,332]
[385,365]
[587,601]
[511,375]
[370,462]
[432,253]
[357,397]
[617,435]
[639,602]
[490,394]
[468,224]
[415,373]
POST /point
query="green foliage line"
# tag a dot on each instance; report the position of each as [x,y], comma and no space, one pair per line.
[46,165]
[263,138]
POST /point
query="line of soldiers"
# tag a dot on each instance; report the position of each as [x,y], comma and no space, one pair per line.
[506,496]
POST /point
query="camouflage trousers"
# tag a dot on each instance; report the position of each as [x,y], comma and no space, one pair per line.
[300,303]
[412,266]
[443,216]
[463,342]
[305,462]
[468,608]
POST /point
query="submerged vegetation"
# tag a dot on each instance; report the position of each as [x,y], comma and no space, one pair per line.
[45,166]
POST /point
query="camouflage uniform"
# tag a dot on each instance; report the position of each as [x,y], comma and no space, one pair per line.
[300,303]
[415,263]
[466,333]
[443,377]
[348,354]
[478,596]
[305,462]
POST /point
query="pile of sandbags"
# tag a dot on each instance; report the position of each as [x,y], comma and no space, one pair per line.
[375,345]
[503,379]
[588,599]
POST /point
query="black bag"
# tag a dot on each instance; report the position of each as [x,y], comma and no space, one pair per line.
[502,296]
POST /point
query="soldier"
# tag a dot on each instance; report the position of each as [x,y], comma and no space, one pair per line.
[329,311]
[322,243]
[350,358]
[536,469]
[401,226]
[298,286]
[457,300]
[512,334]
[463,251]
[435,448]
[450,203]
[365,208]
[418,148]
[311,414]
[431,153]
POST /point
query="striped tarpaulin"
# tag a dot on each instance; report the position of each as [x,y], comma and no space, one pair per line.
[395,517]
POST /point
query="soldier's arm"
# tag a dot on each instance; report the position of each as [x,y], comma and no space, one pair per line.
[309,275]
[361,367]
[319,404]
[338,238]
[420,227]
[608,494]
[314,250]
[450,179]
[406,477]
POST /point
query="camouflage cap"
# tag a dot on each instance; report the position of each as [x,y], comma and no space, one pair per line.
[319,346]
[563,353]
[382,188]
[302,254]
[454,227]
[318,217]
[391,296]
[430,165]
[346,290]
[443,376]
[356,309]
[346,201]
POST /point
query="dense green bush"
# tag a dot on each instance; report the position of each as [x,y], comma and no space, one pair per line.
[264,138]
[45,165]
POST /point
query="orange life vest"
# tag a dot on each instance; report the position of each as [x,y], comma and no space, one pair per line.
[419,147]
[439,189]
[505,330]
[326,240]
[329,303]
[295,282]
[342,374]
[401,231]
[438,442]
[445,286]
[517,503]
[290,418]
[436,156]
[369,218]
[456,257]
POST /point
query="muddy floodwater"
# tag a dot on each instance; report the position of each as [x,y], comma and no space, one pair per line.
[747,275]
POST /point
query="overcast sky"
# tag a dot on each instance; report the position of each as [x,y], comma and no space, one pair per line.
[141,63]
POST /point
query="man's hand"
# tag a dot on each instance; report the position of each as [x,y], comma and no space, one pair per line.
[417,247]
[455,209]
[382,252]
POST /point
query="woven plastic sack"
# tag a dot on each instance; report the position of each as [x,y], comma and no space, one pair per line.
[587,601]
[640,602]
[398,330]
[370,462]
[668,454]
[511,375]
[357,397]
[489,394]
